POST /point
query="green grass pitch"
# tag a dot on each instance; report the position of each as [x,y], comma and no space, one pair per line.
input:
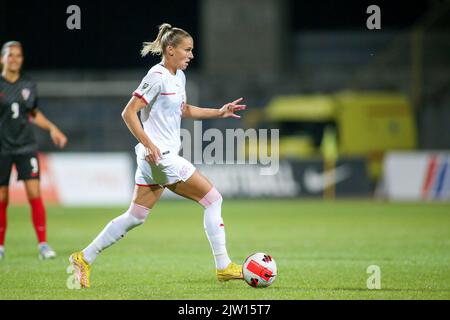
[322,250]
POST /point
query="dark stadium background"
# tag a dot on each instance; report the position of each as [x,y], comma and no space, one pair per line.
[110,29]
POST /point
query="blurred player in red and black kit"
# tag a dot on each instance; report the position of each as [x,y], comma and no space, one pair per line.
[18,110]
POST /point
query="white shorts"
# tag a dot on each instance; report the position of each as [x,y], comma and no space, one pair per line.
[170,169]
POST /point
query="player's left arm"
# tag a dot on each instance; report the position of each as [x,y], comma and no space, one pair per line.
[39,119]
[228,110]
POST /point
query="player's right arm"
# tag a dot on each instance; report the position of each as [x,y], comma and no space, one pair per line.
[148,90]
[129,115]
[39,119]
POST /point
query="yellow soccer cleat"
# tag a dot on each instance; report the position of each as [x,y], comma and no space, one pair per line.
[232,272]
[82,268]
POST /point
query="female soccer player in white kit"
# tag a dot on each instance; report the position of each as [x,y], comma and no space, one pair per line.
[161,98]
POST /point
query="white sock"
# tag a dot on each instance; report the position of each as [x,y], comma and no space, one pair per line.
[115,230]
[214,227]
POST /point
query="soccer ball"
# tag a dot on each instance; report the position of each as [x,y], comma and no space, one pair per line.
[259,270]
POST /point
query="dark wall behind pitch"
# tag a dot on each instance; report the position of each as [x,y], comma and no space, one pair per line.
[111,32]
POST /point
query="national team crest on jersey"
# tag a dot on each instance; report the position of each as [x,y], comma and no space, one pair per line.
[26,93]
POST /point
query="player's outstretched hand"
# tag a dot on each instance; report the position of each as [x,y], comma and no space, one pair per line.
[59,139]
[229,109]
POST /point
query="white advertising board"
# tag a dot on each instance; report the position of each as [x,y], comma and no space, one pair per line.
[417,175]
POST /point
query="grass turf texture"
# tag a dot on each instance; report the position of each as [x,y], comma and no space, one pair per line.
[322,250]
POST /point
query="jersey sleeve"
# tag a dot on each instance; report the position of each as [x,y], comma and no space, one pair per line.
[150,87]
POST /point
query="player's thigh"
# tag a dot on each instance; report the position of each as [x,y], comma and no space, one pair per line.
[33,188]
[147,196]
[194,188]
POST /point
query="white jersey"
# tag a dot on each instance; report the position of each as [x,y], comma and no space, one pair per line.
[165,96]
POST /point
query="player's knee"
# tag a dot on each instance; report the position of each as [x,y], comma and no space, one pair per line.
[132,218]
[33,194]
[138,212]
[213,196]
[4,194]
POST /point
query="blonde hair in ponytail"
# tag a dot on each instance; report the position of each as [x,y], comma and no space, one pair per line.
[167,36]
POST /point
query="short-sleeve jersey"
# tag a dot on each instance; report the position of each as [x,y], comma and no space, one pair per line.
[165,96]
[17,101]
